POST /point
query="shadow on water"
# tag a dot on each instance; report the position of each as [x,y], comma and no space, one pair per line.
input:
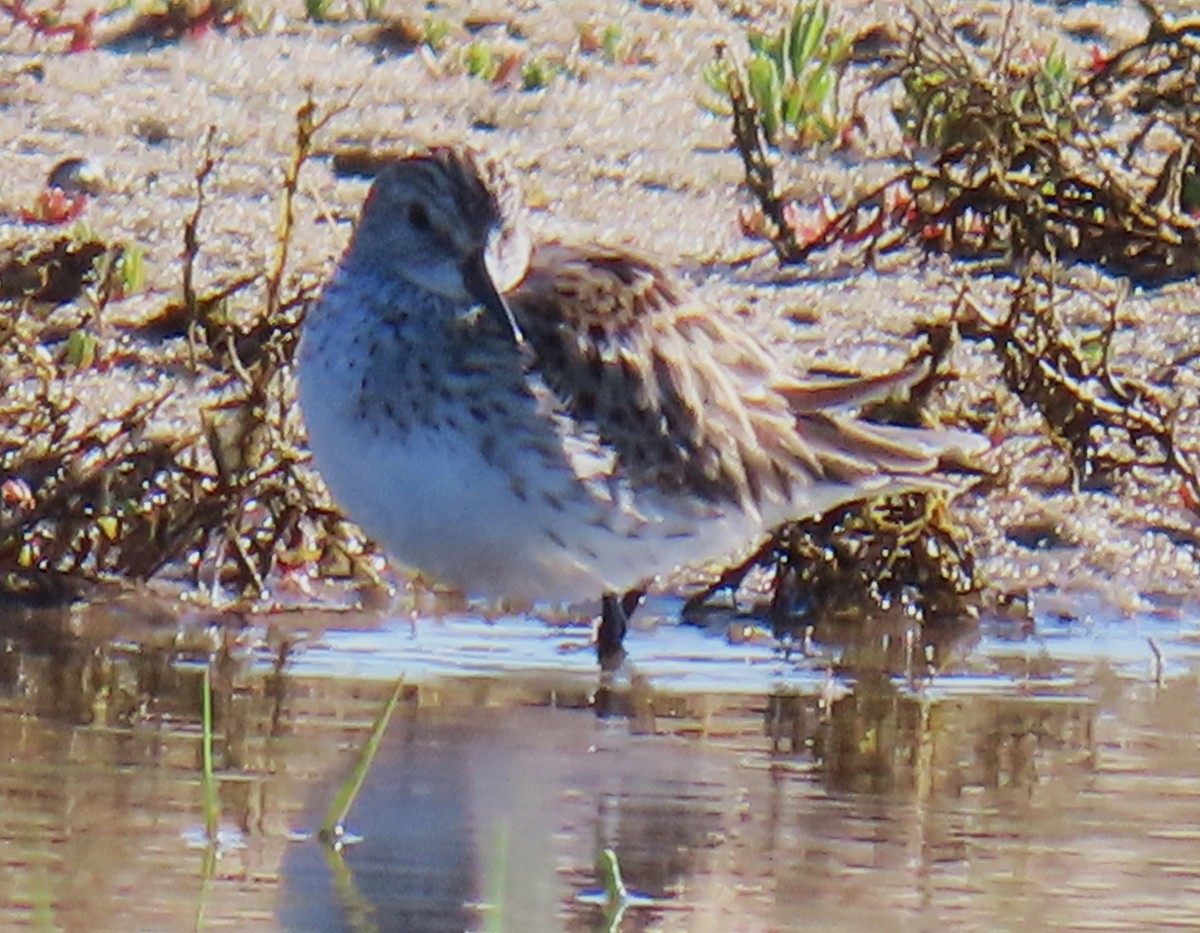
[987,778]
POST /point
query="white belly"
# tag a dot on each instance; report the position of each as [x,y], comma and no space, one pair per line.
[440,508]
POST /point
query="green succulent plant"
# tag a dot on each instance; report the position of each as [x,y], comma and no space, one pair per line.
[792,77]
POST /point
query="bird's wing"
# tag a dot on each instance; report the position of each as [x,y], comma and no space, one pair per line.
[688,400]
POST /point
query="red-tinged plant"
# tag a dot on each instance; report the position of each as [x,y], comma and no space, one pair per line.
[82,32]
[54,207]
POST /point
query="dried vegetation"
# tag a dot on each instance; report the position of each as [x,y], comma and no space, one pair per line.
[127,488]
[1024,166]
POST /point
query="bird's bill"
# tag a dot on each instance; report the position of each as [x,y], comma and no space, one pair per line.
[479,284]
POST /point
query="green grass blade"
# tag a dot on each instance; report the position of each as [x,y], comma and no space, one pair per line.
[358,912]
[208,780]
[616,894]
[350,788]
[208,871]
[610,873]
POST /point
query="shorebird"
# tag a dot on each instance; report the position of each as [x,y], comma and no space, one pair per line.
[561,421]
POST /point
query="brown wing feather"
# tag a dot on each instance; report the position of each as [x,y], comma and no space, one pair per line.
[850,391]
[688,401]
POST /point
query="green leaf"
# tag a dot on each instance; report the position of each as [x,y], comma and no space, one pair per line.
[716,76]
[133,269]
[611,43]
[481,61]
[819,88]
[536,74]
[826,129]
[808,29]
[763,79]
[793,104]
[760,43]
[436,33]
[839,51]
[81,349]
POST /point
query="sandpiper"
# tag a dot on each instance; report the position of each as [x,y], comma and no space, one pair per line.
[556,421]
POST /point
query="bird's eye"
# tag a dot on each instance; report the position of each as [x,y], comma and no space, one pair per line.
[418,217]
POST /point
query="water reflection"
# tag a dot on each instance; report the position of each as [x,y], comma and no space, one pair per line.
[882,773]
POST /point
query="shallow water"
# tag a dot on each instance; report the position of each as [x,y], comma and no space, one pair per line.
[997,779]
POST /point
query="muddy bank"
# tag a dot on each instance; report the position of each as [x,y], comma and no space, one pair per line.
[616,124]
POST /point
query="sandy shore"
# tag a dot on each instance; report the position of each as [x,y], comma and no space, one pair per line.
[615,148]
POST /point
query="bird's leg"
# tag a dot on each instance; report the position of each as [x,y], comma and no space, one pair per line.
[614,620]
[611,632]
